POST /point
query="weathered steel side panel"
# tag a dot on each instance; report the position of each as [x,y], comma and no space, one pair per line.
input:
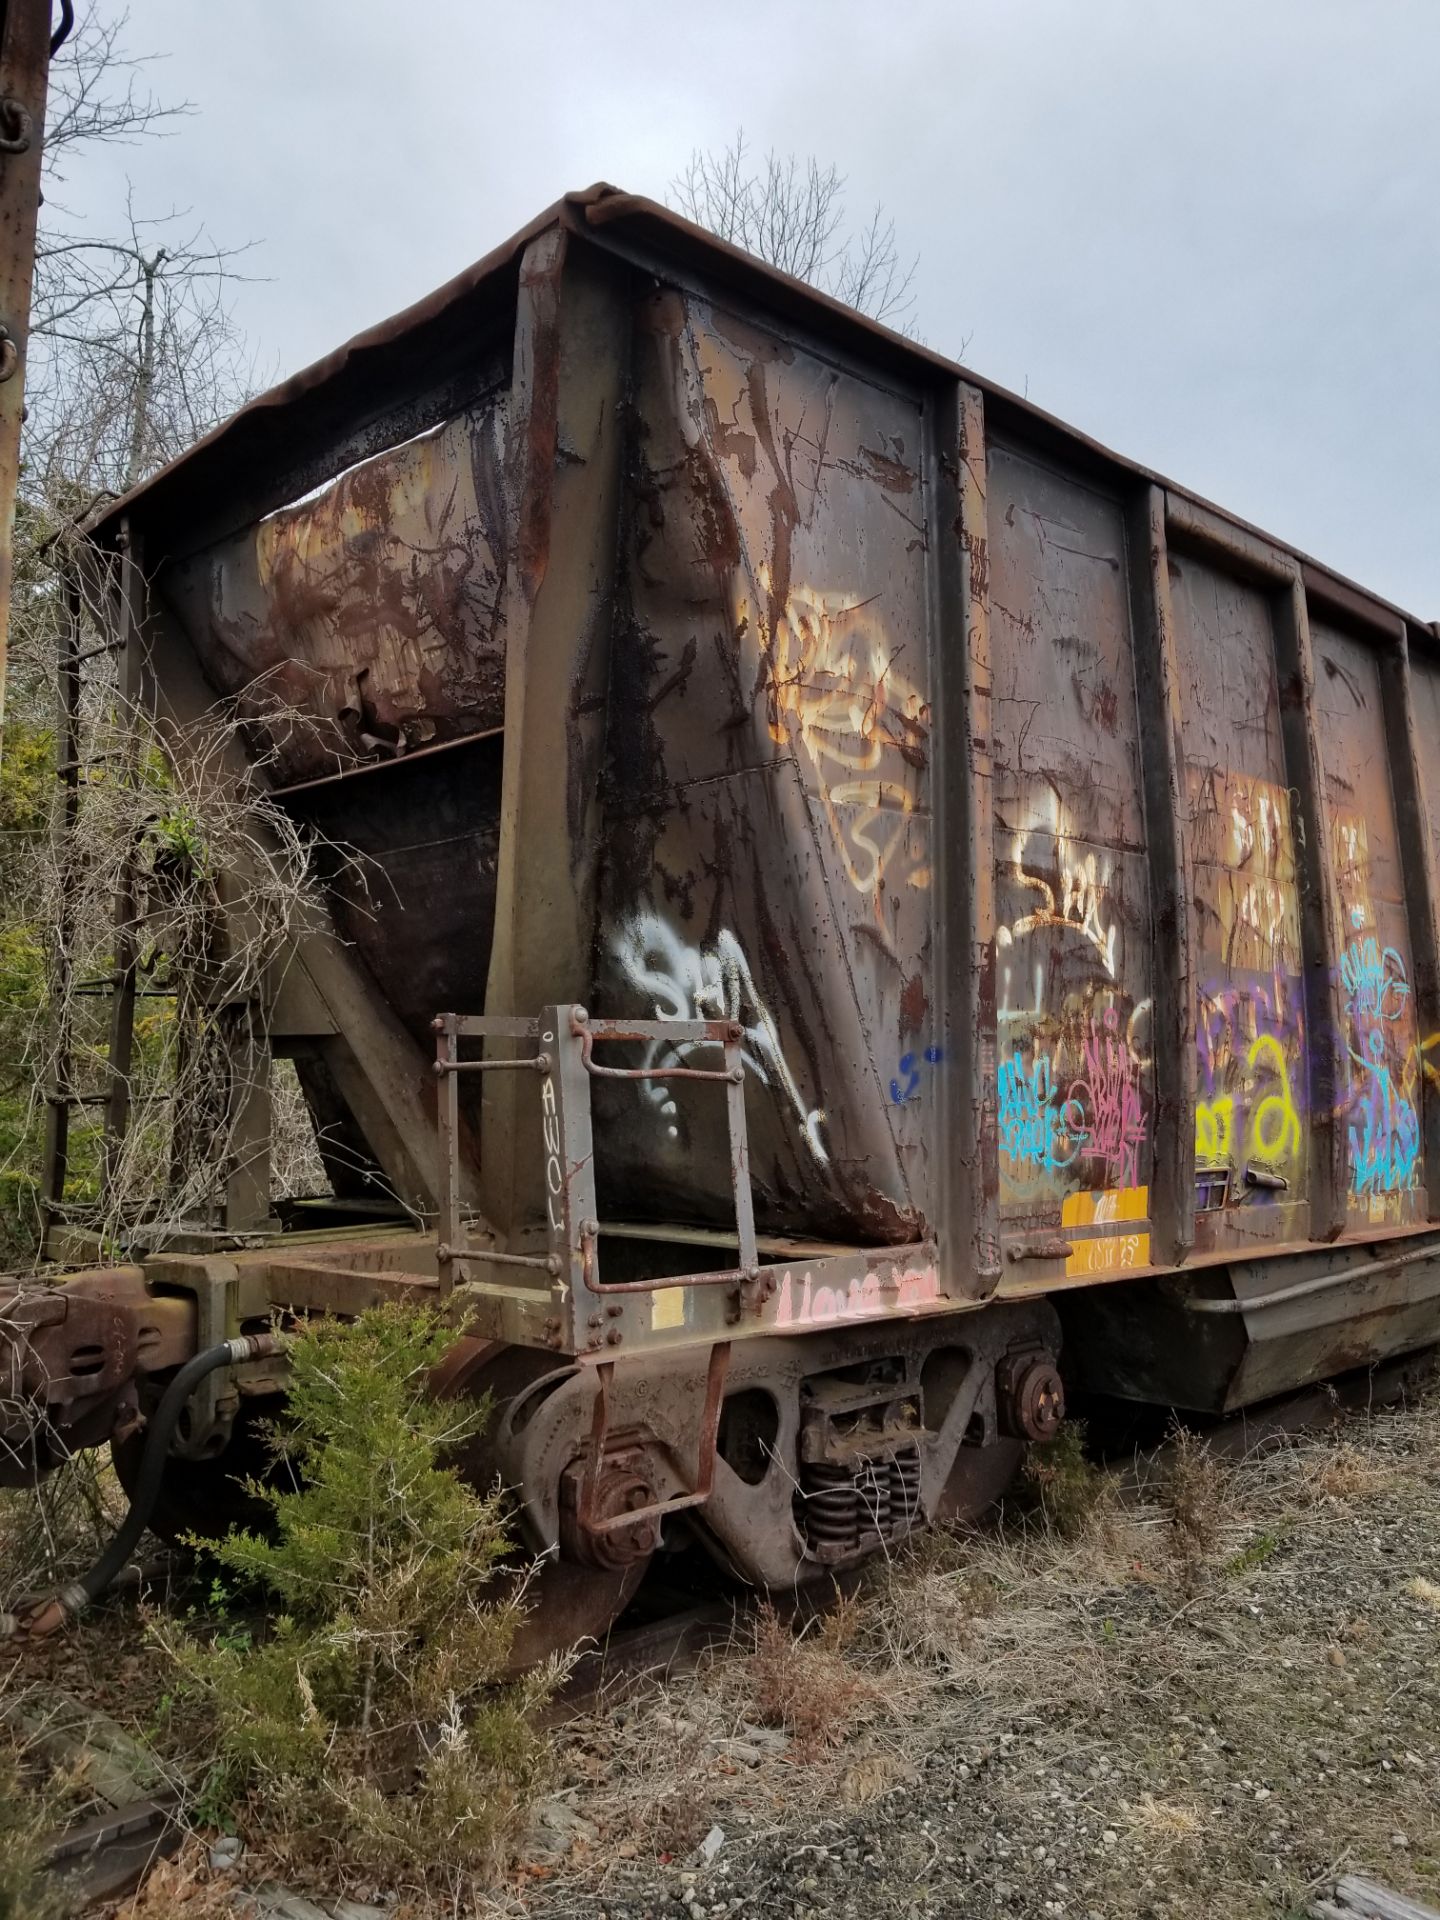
[1251,1169]
[410,855]
[767,833]
[1073,924]
[1380,1099]
[368,620]
[568,427]
[1425,682]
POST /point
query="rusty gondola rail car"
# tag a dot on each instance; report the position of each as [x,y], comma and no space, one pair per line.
[866,880]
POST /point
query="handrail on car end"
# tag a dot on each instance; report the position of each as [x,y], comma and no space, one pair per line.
[452,1247]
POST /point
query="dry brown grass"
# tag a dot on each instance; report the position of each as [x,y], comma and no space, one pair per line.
[1194,1495]
[1222,1670]
[804,1683]
[1164,1824]
[1352,1473]
[184,1888]
[52,1532]
[28,1807]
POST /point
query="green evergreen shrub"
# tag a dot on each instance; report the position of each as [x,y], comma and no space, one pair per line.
[373,1723]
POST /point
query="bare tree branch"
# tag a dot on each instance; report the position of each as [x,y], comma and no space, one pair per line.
[96,95]
[792,214]
[133,353]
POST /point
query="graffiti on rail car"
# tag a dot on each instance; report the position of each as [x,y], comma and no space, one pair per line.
[1074,942]
[771,756]
[1382,1123]
[911,1078]
[833,684]
[1071,1077]
[1251,1088]
[1037,1129]
[1249,1039]
[800,1303]
[681,981]
[1107,1095]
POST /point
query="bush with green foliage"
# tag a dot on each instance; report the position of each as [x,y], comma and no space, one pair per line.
[374,1724]
[1065,1485]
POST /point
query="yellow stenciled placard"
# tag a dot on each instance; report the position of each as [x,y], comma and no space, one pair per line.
[1090,1209]
[667,1308]
[1110,1252]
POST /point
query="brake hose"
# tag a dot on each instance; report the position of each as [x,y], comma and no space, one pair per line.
[73,1599]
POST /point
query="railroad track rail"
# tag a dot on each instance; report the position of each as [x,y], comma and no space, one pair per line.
[108,1854]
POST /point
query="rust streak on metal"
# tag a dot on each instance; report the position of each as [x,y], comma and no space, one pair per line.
[24,75]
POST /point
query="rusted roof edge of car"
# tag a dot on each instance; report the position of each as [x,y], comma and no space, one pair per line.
[607,213]
[360,361]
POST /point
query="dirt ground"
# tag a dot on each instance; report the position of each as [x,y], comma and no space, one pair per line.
[1209,1700]
[1209,1697]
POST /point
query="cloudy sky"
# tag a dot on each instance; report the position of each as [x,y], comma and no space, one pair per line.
[1206,234]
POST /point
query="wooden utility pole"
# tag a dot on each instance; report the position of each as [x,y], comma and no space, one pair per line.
[26,44]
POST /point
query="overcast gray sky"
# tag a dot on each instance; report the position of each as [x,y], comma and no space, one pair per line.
[1206,233]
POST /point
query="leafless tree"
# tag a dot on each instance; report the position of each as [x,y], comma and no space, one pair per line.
[134,350]
[133,355]
[792,213]
[139,354]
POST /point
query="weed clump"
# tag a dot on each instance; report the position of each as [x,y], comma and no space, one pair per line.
[1193,1496]
[803,1682]
[373,1727]
[1066,1486]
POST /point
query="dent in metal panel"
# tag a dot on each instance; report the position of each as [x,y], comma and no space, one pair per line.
[1384,1064]
[1251,1170]
[1073,959]
[768,798]
[369,619]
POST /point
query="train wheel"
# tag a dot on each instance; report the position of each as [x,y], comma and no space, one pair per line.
[567,1601]
[979,1477]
